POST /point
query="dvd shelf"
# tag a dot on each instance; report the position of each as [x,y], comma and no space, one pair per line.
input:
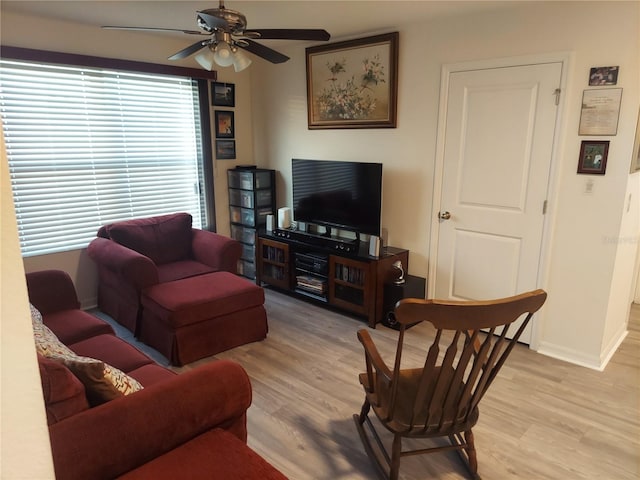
[274,254]
[273,263]
[311,274]
[353,282]
[312,284]
[349,274]
[352,286]
[252,197]
[349,294]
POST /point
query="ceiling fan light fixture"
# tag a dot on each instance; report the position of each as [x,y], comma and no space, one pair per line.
[223,55]
[205,59]
[240,61]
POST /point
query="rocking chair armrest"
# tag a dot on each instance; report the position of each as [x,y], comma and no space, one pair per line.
[372,356]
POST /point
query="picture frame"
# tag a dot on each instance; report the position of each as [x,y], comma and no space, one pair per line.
[354,83]
[600,111]
[224,124]
[225,149]
[223,94]
[593,157]
[599,76]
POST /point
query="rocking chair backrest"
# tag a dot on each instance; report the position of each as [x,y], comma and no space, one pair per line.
[461,362]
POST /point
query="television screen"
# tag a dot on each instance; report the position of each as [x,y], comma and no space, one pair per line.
[346,195]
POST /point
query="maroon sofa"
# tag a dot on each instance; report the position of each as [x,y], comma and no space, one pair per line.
[191,425]
[134,255]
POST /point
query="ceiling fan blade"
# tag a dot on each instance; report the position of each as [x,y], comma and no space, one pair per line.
[153,29]
[262,51]
[288,34]
[214,23]
[191,49]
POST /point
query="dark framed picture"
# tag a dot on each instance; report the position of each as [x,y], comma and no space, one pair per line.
[593,157]
[225,149]
[353,84]
[223,94]
[603,76]
[224,124]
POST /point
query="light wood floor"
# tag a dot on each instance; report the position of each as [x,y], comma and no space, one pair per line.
[541,419]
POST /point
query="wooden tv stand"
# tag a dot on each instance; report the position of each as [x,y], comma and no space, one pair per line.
[353,282]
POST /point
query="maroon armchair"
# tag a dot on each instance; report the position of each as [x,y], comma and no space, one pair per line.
[134,255]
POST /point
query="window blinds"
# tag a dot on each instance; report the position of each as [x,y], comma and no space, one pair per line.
[88,147]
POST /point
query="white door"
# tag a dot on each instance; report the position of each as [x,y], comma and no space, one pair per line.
[498,143]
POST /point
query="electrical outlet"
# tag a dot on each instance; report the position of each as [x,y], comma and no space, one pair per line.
[588,187]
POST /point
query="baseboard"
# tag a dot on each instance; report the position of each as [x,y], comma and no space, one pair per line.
[612,348]
[89,303]
[595,362]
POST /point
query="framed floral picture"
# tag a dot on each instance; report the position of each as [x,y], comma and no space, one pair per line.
[353,84]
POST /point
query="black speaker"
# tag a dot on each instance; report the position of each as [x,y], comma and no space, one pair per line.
[413,287]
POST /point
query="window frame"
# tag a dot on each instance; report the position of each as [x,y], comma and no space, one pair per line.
[202,78]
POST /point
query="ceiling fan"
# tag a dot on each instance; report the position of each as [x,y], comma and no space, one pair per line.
[228,36]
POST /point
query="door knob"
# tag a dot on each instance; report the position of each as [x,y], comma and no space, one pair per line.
[444,215]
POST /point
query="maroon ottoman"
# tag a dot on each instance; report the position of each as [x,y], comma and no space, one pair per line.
[196,317]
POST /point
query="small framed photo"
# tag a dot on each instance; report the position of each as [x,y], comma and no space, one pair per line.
[224,124]
[603,76]
[223,94]
[225,149]
[593,157]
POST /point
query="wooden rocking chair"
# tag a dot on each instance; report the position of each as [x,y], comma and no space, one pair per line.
[441,398]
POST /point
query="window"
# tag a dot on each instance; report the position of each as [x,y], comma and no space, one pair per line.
[90,146]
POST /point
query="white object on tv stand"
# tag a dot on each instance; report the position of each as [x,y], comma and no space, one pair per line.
[284,217]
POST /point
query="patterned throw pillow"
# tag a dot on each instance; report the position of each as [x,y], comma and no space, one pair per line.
[36,316]
[123,382]
[48,345]
[98,388]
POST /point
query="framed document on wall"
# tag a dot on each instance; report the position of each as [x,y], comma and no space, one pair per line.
[600,111]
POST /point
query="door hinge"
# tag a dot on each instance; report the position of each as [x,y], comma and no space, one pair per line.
[557,92]
[544,207]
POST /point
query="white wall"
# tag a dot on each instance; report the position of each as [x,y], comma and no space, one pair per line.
[587,274]
[636,298]
[25,451]
[621,292]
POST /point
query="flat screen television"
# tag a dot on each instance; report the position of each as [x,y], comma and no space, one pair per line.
[331,193]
